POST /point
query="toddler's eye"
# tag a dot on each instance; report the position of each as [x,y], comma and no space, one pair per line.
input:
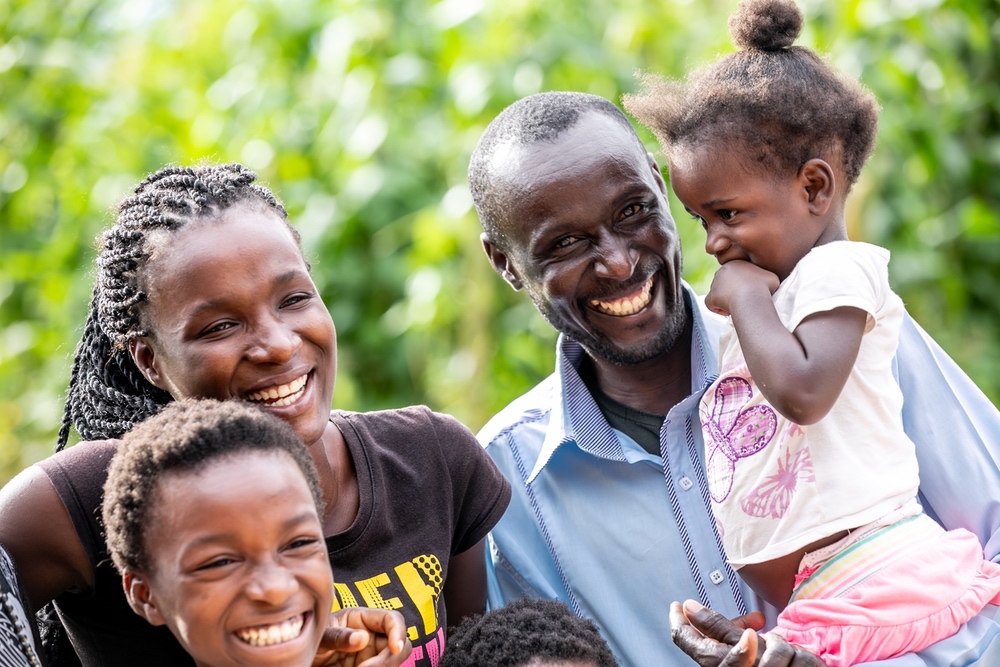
[727,214]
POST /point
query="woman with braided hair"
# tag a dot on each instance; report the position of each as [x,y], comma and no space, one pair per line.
[202,291]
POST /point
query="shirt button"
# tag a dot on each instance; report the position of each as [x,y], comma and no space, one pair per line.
[717,577]
[686,483]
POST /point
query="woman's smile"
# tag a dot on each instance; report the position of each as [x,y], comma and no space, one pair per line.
[281,395]
[236,315]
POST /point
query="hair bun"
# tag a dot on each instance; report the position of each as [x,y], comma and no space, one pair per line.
[765,25]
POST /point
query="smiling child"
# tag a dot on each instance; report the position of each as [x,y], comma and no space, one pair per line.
[812,477]
[212,512]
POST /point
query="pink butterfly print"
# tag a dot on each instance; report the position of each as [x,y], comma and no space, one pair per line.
[773,496]
[732,433]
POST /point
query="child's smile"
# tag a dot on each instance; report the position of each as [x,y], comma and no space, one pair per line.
[766,220]
[239,566]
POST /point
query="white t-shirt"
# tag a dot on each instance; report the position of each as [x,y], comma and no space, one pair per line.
[777,486]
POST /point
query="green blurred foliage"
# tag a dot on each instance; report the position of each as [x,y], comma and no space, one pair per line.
[361,114]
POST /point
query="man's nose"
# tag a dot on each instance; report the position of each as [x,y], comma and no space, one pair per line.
[617,259]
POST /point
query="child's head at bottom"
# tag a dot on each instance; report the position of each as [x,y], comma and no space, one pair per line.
[212,511]
[528,633]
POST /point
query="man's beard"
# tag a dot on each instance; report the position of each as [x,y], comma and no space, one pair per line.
[600,346]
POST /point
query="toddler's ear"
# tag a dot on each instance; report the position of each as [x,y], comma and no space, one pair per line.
[820,185]
[140,598]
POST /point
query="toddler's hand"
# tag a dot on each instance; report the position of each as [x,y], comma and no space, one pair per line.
[734,281]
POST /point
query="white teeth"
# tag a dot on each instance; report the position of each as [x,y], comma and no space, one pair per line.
[281,396]
[273,634]
[626,305]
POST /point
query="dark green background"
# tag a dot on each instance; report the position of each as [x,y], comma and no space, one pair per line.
[362,114]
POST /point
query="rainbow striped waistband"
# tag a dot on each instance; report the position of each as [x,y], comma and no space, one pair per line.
[861,556]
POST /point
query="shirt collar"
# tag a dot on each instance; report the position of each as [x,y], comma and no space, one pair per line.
[575,417]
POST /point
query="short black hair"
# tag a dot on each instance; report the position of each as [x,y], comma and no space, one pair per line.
[514,635]
[780,105]
[538,117]
[185,436]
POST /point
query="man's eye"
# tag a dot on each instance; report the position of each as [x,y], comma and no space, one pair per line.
[565,242]
[629,211]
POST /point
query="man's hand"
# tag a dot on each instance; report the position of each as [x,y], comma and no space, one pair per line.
[712,640]
[734,280]
[363,638]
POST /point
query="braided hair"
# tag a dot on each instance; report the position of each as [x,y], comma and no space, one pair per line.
[782,105]
[107,394]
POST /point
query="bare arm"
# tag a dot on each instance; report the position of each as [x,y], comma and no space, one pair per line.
[801,372]
[465,587]
[37,531]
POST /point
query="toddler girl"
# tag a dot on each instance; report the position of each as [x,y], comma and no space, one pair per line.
[812,479]
[212,513]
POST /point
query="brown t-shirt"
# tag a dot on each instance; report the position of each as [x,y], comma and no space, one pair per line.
[428,491]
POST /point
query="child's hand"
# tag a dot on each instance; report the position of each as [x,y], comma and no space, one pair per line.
[734,280]
[364,638]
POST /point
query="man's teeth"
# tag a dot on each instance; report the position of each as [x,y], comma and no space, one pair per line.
[626,305]
[281,396]
[273,634]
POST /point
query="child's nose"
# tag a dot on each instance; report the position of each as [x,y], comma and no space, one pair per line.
[715,243]
[271,583]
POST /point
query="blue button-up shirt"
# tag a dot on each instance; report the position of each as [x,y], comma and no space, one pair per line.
[617,533]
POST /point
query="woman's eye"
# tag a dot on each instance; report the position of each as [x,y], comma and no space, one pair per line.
[296,299]
[217,563]
[218,328]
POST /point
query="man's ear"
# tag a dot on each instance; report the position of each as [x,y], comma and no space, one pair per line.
[144,357]
[140,598]
[501,262]
[819,184]
[657,174]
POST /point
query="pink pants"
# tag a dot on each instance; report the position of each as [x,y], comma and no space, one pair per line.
[883,607]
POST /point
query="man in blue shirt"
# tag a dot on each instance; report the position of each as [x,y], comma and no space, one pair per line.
[610,511]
